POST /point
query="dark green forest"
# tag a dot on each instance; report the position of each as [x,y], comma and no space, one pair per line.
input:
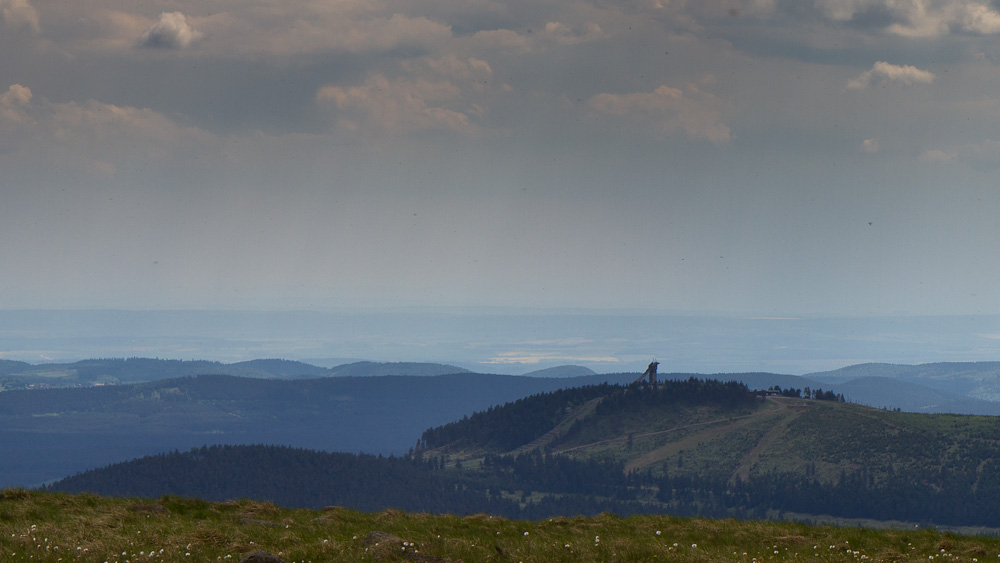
[288,477]
[839,460]
[530,485]
[508,426]
[513,424]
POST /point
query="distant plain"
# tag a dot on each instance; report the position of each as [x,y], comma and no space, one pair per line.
[509,341]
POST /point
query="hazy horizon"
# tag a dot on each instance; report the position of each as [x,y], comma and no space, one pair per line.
[496,341]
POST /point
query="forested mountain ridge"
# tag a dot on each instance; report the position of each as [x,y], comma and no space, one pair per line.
[689,447]
[967,388]
[692,427]
[50,433]
[287,476]
[369,369]
[713,447]
[115,371]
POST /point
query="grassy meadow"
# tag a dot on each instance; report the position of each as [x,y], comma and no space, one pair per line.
[52,527]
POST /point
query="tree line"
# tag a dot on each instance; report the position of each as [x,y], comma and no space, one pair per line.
[536,485]
[806,393]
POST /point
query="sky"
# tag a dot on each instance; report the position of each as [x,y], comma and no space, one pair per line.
[758,157]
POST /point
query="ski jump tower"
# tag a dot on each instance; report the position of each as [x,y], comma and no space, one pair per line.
[649,374]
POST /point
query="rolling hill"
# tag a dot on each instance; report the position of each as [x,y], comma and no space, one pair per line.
[371,369]
[51,433]
[978,380]
[692,447]
[115,371]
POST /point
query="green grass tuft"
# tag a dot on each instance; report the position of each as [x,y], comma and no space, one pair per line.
[52,527]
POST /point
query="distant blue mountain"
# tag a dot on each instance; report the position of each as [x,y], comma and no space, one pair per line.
[562,371]
[369,369]
[976,380]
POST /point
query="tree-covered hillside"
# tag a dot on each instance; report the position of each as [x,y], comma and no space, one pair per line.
[506,427]
[709,447]
[686,448]
[289,477]
[51,433]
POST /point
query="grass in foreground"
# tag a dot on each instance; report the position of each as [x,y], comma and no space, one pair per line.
[50,527]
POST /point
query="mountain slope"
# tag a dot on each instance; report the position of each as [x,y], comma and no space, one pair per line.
[48,434]
[894,393]
[689,447]
[278,474]
[979,380]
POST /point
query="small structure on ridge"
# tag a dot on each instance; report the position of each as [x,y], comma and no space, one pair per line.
[649,374]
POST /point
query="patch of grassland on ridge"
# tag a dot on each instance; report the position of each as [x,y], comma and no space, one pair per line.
[50,527]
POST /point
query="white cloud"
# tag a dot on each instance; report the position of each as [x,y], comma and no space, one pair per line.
[72,120]
[695,112]
[870,146]
[938,155]
[396,106]
[381,34]
[842,10]
[437,94]
[320,27]
[14,103]
[884,72]
[979,18]
[117,29]
[920,18]
[563,34]
[91,135]
[171,31]
[502,39]
[984,156]
[243,29]
[453,68]
[19,14]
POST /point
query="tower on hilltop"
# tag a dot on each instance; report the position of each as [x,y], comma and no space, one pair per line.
[650,374]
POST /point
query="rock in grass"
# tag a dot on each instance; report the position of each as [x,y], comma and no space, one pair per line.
[390,547]
[261,557]
[376,538]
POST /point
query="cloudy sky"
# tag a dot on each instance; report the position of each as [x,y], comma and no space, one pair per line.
[767,157]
